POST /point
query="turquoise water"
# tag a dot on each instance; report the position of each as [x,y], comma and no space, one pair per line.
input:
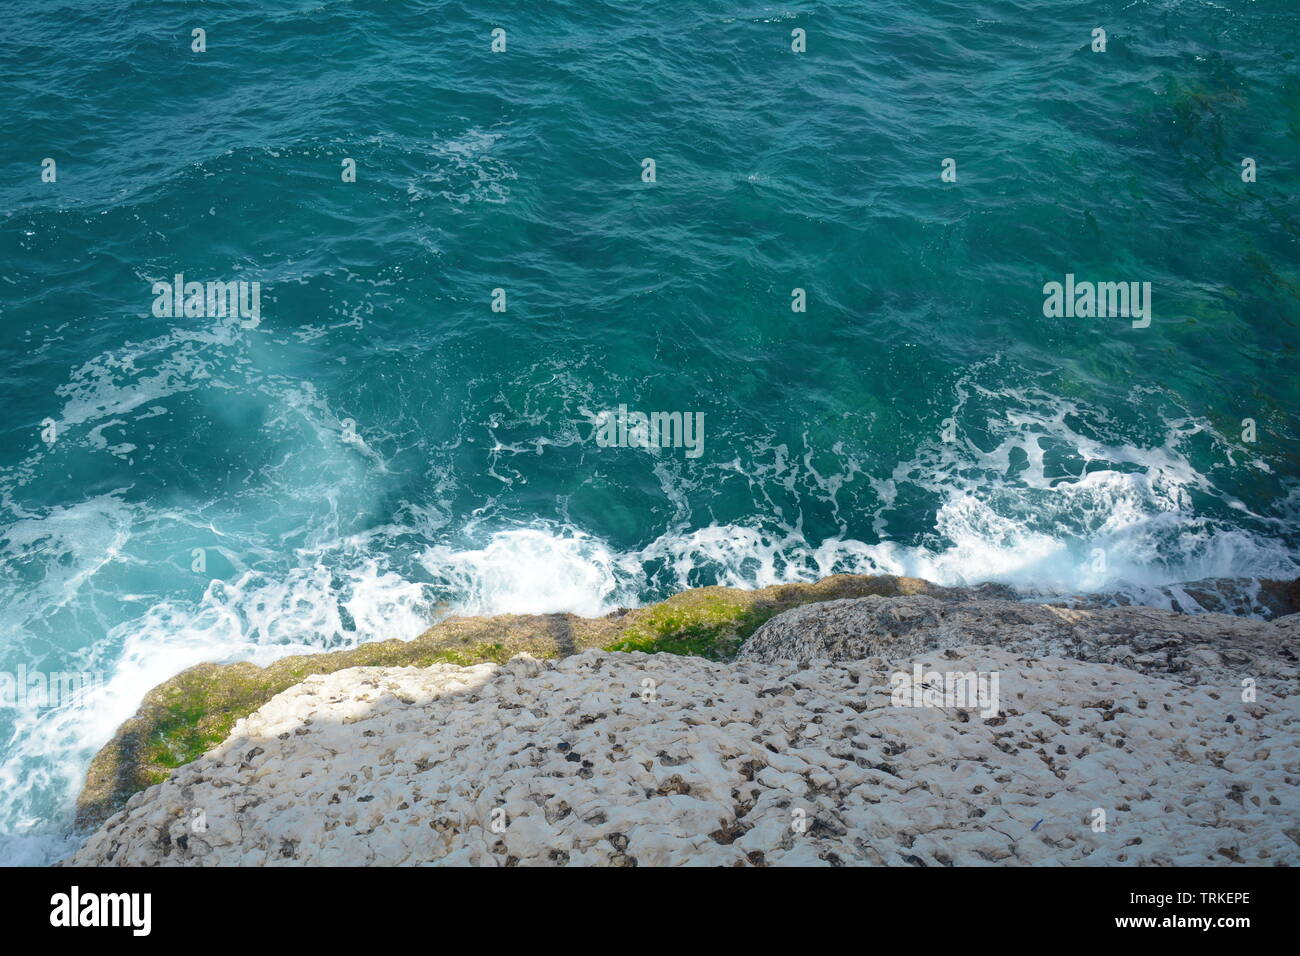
[469,479]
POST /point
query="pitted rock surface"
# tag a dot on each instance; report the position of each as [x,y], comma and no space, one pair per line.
[634,759]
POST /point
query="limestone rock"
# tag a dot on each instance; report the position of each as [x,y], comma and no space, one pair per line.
[634,759]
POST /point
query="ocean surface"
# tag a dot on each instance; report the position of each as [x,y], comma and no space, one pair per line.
[383,448]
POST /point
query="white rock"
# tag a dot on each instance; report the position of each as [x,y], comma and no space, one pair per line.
[752,763]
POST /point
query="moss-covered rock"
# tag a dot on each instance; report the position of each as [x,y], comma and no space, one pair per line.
[192,712]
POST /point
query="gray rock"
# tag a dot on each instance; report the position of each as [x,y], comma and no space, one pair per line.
[1196,649]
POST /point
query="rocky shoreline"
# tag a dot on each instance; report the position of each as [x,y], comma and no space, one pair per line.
[769,733]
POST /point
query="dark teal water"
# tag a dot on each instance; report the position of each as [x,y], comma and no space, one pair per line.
[473,482]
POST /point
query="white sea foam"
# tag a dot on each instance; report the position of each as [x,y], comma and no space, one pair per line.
[534,571]
[464,170]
